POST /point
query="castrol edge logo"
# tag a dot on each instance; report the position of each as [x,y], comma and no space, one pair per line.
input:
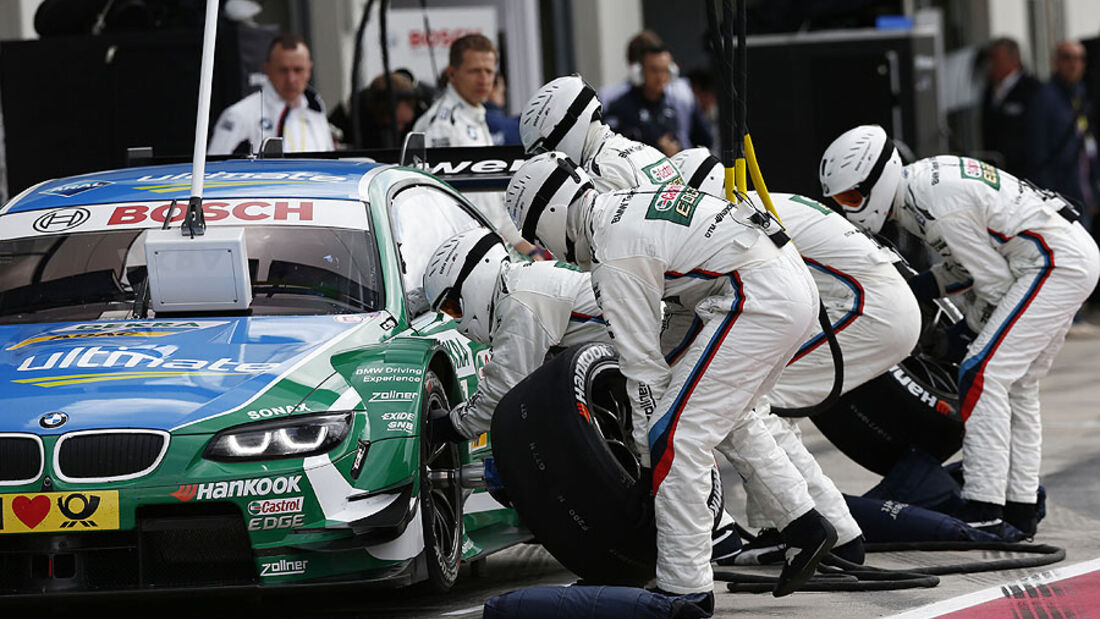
[237,212]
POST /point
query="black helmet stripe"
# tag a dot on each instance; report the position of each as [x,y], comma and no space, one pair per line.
[584,97]
[477,252]
[701,172]
[864,187]
[564,170]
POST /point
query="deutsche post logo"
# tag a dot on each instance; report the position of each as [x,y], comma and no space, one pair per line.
[58,511]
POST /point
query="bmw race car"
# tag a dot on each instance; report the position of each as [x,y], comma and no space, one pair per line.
[249,413]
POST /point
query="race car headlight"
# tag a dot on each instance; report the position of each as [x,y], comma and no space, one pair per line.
[297,437]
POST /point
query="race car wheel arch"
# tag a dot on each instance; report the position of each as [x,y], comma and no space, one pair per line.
[440,502]
[912,405]
[563,447]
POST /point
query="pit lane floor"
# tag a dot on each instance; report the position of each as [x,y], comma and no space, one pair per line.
[1071,460]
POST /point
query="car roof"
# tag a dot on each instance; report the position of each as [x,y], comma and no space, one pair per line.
[237,178]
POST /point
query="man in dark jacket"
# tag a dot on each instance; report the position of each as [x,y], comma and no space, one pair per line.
[1004,106]
[1061,144]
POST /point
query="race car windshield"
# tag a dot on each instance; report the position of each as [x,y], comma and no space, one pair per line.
[294,271]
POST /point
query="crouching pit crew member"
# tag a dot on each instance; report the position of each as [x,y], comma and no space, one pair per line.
[873,313]
[523,310]
[756,303]
[1029,267]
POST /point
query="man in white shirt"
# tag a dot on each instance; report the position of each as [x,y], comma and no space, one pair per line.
[285,106]
[458,119]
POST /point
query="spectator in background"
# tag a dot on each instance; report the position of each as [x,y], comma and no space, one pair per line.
[706,97]
[285,106]
[678,91]
[646,113]
[375,118]
[504,129]
[1061,149]
[457,118]
[1004,106]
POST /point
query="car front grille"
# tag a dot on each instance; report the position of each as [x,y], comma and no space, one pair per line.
[20,458]
[172,546]
[103,455]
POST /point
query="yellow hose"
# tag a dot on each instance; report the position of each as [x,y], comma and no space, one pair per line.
[758,178]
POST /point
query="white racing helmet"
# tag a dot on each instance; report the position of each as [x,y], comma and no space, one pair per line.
[861,170]
[538,199]
[701,170]
[557,117]
[461,280]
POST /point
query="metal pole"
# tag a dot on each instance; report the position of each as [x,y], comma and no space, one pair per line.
[202,121]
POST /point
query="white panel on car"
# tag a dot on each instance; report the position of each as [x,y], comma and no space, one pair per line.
[204,273]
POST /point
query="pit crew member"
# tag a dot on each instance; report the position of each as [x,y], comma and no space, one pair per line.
[756,303]
[1029,266]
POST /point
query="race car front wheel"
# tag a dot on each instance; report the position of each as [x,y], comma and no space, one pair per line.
[563,447]
[440,503]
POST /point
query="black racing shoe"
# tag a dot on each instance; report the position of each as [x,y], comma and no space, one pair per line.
[766,549]
[1023,516]
[809,538]
[725,542]
[988,517]
[851,551]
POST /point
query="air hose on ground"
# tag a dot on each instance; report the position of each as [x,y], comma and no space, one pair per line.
[836,574]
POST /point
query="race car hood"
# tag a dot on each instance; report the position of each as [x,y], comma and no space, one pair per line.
[164,374]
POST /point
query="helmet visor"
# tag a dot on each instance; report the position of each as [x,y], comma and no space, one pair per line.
[451,305]
[851,200]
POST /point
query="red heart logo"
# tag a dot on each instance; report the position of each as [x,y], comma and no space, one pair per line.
[31,511]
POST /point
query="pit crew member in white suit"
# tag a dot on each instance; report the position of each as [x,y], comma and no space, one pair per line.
[1029,265]
[523,310]
[757,303]
[564,115]
[874,315]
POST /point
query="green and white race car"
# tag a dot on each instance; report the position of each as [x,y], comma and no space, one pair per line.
[150,438]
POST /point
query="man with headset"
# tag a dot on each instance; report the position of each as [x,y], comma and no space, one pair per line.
[647,114]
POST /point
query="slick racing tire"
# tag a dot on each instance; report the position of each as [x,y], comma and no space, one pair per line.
[440,498]
[914,404]
[562,443]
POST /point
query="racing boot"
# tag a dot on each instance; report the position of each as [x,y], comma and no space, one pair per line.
[988,517]
[725,542]
[809,538]
[1023,516]
[851,551]
[766,548]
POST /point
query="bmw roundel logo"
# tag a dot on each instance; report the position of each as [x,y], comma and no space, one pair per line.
[53,420]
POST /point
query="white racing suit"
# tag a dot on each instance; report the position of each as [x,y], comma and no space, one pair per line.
[451,121]
[615,162]
[539,306]
[877,323]
[264,114]
[755,305]
[1030,269]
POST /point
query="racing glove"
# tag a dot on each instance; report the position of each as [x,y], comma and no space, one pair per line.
[952,343]
[924,287]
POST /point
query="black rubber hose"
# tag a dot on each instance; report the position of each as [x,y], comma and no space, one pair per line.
[1044,554]
[838,373]
[356,61]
